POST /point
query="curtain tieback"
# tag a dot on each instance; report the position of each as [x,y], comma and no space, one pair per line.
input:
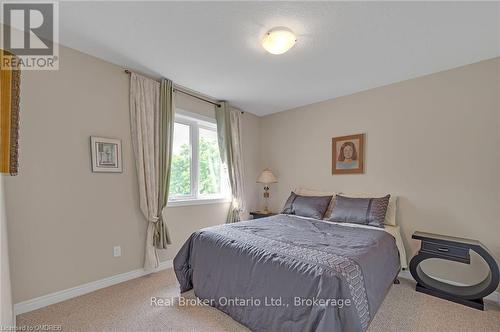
[154,219]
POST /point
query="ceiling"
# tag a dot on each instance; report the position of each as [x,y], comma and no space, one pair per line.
[214,47]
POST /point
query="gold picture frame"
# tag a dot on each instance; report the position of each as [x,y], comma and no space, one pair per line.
[10,82]
[348,154]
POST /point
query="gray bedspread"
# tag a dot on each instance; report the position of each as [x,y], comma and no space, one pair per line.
[286,273]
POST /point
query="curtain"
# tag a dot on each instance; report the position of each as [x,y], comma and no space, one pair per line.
[229,138]
[152,122]
[10,81]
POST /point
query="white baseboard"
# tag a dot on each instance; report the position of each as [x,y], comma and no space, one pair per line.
[66,294]
[494,297]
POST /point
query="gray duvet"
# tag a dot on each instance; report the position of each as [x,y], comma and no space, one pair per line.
[286,273]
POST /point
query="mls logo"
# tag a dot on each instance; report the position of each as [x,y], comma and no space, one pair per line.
[30,32]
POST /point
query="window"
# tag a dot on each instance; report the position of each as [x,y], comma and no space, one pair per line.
[197,174]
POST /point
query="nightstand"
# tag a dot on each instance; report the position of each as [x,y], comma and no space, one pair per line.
[453,249]
[261,214]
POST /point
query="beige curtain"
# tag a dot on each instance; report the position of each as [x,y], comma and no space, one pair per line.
[229,138]
[152,121]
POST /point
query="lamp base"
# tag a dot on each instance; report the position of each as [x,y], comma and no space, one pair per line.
[266,198]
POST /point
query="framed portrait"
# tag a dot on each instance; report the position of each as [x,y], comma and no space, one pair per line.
[106,154]
[348,154]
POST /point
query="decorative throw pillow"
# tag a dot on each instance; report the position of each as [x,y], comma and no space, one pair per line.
[390,216]
[311,206]
[307,206]
[365,211]
[287,209]
[312,192]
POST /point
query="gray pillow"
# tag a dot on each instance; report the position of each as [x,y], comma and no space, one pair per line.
[287,209]
[366,211]
[307,206]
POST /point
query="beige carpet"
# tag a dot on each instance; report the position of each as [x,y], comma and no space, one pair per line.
[127,307]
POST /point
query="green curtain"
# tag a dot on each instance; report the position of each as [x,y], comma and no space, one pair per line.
[228,133]
[166,130]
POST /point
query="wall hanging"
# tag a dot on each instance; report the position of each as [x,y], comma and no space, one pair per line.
[106,154]
[10,79]
[348,154]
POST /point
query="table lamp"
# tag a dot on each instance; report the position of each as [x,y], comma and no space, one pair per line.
[266,177]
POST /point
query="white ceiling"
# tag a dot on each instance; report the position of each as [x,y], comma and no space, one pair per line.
[342,48]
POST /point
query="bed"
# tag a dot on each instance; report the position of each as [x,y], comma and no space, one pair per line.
[291,273]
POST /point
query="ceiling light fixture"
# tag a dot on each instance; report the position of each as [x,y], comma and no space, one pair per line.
[278,40]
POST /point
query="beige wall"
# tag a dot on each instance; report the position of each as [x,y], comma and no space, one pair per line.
[63,219]
[6,314]
[433,141]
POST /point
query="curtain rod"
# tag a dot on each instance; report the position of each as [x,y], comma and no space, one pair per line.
[176,89]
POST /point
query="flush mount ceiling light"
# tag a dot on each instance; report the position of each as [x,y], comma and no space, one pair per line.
[278,40]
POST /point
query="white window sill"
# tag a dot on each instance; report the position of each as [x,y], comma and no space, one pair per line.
[200,201]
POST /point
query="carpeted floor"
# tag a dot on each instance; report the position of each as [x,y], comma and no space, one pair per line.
[127,307]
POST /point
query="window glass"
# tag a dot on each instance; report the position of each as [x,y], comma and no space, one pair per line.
[210,170]
[180,171]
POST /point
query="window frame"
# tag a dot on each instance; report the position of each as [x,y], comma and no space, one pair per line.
[195,122]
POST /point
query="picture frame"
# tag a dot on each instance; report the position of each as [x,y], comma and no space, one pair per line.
[106,155]
[348,154]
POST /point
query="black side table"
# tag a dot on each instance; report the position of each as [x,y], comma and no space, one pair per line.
[261,214]
[453,249]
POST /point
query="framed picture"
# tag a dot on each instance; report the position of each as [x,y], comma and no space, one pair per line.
[348,154]
[106,154]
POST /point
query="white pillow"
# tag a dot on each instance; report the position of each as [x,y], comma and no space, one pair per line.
[395,231]
[312,192]
[390,215]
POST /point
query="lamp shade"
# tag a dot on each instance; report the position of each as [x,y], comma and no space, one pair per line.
[267,177]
